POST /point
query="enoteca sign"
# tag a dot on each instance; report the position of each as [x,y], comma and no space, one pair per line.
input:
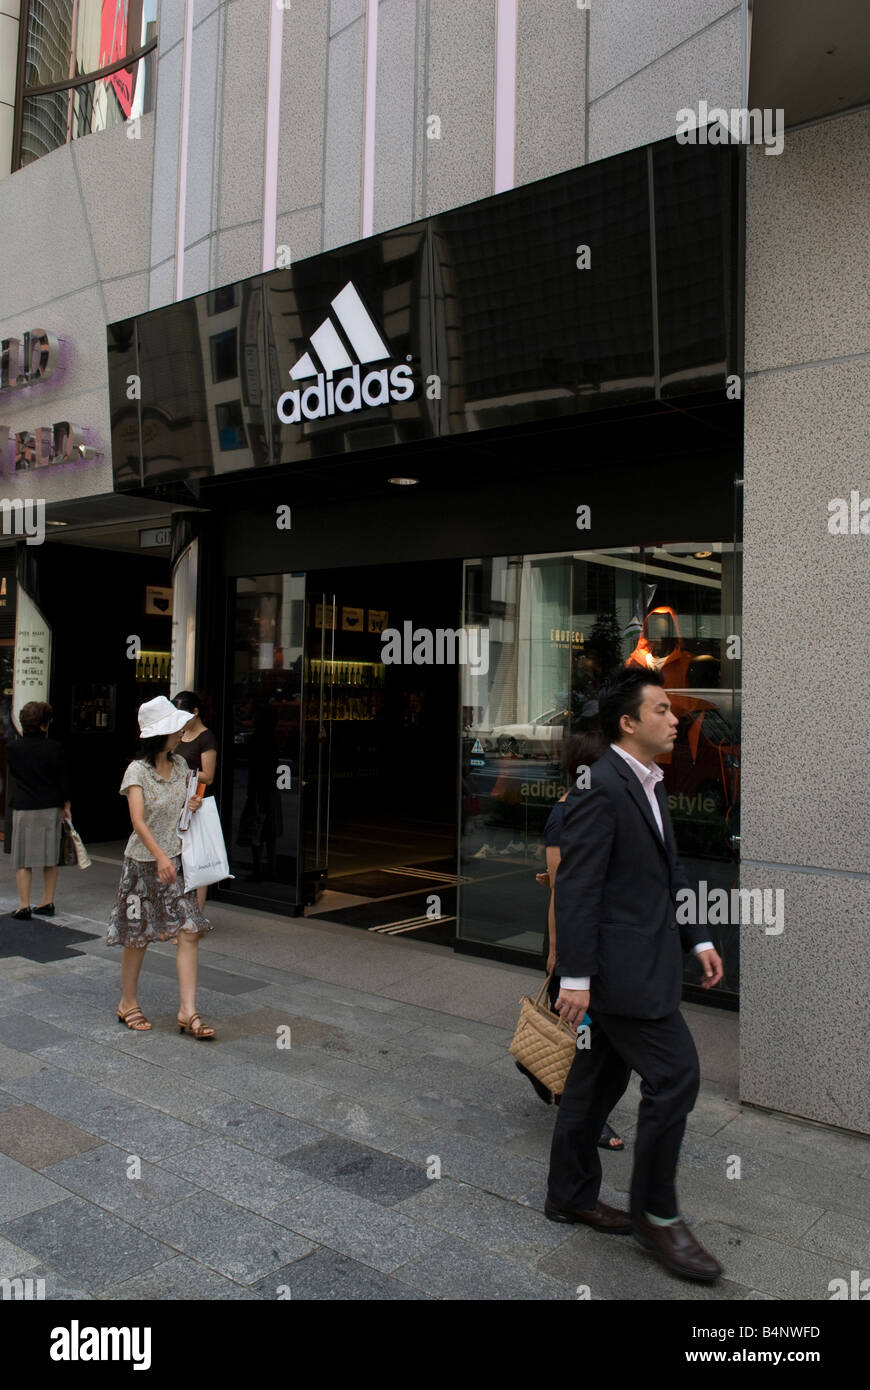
[26,362]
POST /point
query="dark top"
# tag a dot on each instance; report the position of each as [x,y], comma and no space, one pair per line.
[193,750]
[616,896]
[553,828]
[39,773]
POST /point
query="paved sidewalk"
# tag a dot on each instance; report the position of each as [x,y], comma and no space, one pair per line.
[151,1166]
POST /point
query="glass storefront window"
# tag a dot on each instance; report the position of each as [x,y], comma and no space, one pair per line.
[68,42]
[266,703]
[557,624]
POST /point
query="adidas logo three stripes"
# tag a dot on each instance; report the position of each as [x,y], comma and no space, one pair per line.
[332,350]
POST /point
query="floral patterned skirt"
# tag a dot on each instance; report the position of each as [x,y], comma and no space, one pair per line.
[148,910]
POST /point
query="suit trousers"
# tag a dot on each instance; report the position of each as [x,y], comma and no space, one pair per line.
[662,1051]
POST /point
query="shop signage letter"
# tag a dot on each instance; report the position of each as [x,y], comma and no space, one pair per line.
[25,363]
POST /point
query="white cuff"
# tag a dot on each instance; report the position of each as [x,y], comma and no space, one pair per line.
[574,981]
[702,946]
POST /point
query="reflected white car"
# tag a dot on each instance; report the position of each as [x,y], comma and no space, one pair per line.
[549,727]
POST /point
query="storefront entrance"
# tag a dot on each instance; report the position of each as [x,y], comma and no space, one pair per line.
[345,791]
[380,746]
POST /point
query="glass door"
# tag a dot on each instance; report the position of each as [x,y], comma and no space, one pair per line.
[260,794]
[320,673]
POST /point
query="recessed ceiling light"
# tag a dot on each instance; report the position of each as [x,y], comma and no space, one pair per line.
[57,523]
[703,554]
[404,482]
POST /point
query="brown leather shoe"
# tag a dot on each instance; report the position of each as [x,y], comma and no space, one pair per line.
[601,1217]
[676,1248]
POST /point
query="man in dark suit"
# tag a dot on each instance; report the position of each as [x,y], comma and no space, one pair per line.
[620,955]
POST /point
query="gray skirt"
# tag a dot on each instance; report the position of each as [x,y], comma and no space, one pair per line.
[36,838]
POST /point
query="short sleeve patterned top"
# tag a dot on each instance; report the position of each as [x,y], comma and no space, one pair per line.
[164,802]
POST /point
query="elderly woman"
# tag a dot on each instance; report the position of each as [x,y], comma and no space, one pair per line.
[152,904]
[39,801]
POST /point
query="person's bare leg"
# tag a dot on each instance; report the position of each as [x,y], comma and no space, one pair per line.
[201,896]
[49,884]
[23,878]
[186,961]
[131,963]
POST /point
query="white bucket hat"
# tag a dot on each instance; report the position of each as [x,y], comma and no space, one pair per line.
[160,716]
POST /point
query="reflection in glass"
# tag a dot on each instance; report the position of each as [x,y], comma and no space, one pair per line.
[265,787]
[49,42]
[557,626]
[69,39]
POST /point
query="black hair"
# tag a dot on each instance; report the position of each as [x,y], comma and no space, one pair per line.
[623,694]
[192,700]
[582,750]
[150,747]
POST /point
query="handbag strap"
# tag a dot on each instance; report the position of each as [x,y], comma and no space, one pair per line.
[544,987]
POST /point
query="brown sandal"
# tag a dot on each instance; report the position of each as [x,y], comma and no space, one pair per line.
[135,1019]
[196,1026]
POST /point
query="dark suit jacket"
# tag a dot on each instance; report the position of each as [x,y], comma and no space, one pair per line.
[615,896]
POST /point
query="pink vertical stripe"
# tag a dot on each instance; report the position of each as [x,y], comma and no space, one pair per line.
[369,93]
[181,204]
[273,121]
[505,94]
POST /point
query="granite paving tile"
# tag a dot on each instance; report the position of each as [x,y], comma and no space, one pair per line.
[313,1068]
[770,1134]
[85,1244]
[26,1034]
[349,1017]
[227,1238]
[255,1127]
[141,1130]
[215,981]
[22,1190]
[508,1091]
[56,1287]
[708,1196]
[72,1016]
[179,1280]
[134,1078]
[827,1187]
[37,1138]
[616,1268]
[481,1165]
[357,1168]
[374,1125]
[101,1175]
[354,1226]
[716,1155]
[326,1275]
[840,1236]
[482,1219]
[773,1267]
[462,1116]
[454,1269]
[16,1064]
[14,1260]
[239,1175]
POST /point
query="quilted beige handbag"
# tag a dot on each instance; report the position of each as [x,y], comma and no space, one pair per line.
[543,1043]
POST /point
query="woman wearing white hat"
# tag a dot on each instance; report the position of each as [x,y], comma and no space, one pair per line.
[152,904]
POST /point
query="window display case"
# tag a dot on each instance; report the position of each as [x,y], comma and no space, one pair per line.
[93,709]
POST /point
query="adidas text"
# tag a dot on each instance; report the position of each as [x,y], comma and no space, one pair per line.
[349,393]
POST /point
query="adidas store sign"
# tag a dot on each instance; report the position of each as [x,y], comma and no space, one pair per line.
[326,396]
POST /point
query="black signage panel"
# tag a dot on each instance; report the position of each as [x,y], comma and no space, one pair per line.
[610,284]
[545,297]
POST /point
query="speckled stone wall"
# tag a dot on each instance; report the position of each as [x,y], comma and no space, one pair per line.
[805,823]
[71,274]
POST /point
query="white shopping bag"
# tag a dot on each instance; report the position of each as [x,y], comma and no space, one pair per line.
[203,853]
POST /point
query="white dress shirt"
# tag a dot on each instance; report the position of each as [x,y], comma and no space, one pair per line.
[648,777]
